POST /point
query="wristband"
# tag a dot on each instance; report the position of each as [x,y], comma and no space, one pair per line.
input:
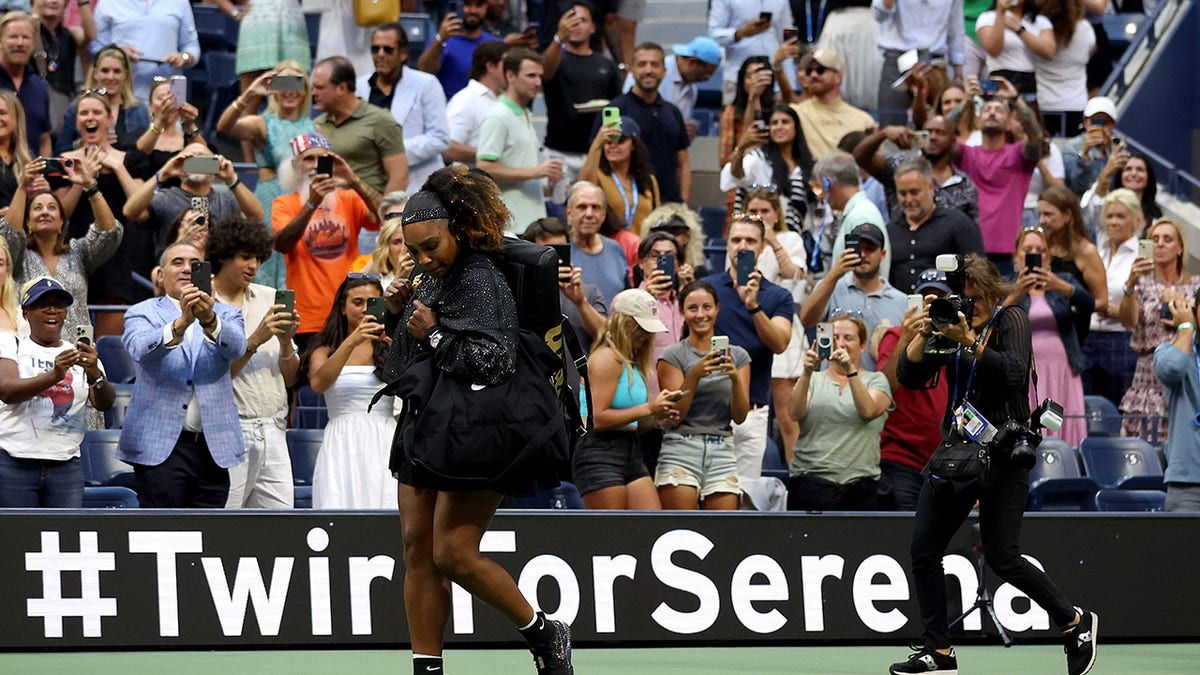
[559,41]
[311,206]
[854,374]
[1186,325]
[437,37]
[92,191]
[237,180]
[756,310]
[1021,30]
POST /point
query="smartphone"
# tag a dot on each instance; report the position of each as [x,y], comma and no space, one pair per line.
[854,243]
[1117,142]
[56,167]
[287,298]
[202,275]
[915,300]
[376,306]
[1033,260]
[325,165]
[200,205]
[179,89]
[679,397]
[1146,249]
[287,83]
[764,16]
[202,164]
[745,265]
[610,115]
[666,263]
[532,27]
[720,343]
[824,340]
[564,253]
[922,137]
[989,87]
[85,334]
[789,33]
[761,119]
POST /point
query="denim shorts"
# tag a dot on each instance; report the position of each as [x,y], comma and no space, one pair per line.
[606,459]
[699,461]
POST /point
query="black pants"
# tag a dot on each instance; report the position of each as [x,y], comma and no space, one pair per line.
[807,492]
[940,512]
[187,479]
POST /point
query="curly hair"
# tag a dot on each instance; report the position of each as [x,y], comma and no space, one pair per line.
[478,217]
[639,167]
[234,235]
[336,328]
[683,216]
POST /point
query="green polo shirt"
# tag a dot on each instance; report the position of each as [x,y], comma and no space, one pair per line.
[506,136]
[364,139]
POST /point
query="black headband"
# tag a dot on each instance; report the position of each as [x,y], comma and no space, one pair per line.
[422,206]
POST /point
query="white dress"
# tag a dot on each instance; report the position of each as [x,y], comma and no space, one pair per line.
[352,466]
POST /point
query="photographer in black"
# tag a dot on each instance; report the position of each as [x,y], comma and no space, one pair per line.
[986,350]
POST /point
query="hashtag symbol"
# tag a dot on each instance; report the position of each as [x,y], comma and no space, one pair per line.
[89,562]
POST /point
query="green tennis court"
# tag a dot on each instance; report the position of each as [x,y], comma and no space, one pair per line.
[1139,659]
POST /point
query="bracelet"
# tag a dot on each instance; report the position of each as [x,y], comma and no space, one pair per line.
[1186,325]
[854,374]
[92,191]
[155,129]
[559,41]
[251,350]
[289,357]
[1021,30]
[237,180]
[756,310]
[311,206]
[437,37]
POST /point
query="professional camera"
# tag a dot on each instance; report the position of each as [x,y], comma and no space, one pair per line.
[944,311]
[1022,440]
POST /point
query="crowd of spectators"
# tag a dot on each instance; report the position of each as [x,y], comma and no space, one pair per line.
[858,156]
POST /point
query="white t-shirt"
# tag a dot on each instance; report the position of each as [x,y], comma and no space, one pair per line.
[1015,55]
[1062,80]
[1037,183]
[50,425]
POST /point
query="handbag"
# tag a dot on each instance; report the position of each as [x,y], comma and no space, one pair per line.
[368,13]
[958,462]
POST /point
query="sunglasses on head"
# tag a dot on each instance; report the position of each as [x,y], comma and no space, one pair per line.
[368,276]
[387,49]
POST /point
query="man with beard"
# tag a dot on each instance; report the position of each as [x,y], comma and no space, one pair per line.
[508,145]
[951,187]
[17,74]
[61,46]
[922,229]
[317,227]
[161,207]
[574,74]
[866,293]
[661,123]
[824,115]
[414,98]
[1001,170]
[448,54]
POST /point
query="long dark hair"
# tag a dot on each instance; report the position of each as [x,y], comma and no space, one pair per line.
[60,245]
[1150,210]
[336,327]
[742,97]
[800,153]
[639,167]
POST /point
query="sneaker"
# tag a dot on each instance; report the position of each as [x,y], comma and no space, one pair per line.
[926,660]
[1081,643]
[553,657]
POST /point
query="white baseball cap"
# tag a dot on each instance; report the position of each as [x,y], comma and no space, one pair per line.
[642,307]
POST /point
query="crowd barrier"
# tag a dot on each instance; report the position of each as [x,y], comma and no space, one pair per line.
[157,579]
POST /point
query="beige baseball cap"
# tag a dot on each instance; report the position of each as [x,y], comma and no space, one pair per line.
[642,307]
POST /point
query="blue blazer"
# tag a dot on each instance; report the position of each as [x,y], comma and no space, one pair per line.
[166,378]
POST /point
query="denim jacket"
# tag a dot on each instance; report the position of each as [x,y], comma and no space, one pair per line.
[1083,303]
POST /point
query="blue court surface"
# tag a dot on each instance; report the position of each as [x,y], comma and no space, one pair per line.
[1126,659]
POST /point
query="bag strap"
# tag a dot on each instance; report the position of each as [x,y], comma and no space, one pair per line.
[581,359]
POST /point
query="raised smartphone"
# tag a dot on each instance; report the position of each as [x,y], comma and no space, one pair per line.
[1146,249]
[85,334]
[202,275]
[1033,260]
[745,265]
[610,115]
[376,306]
[179,89]
[824,340]
[720,343]
[915,300]
[666,263]
[564,253]
[287,83]
[287,298]
[325,165]
[202,164]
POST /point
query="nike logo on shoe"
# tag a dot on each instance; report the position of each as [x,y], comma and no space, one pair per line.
[432,669]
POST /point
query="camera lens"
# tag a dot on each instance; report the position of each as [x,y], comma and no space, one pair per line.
[943,312]
[1022,456]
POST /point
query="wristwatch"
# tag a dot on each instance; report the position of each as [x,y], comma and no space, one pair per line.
[434,336]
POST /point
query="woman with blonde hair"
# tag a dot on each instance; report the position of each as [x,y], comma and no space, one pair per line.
[608,467]
[1150,284]
[390,259]
[286,117]
[681,222]
[111,76]
[14,146]
[173,127]
[1110,361]
[11,319]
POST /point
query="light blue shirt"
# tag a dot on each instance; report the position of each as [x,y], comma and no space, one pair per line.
[1181,380]
[157,28]
[886,303]
[930,25]
[860,209]
[726,16]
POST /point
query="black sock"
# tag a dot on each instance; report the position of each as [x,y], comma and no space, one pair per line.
[427,665]
[539,632]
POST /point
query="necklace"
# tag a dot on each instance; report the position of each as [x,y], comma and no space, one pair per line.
[50,53]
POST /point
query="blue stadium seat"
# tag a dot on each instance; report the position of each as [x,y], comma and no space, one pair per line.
[715,255]
[1130,500]
[98,455]
[313,23]
[772,464]
[309,411]
[706,122]
[114,417]
[303,446]
[217,30]
[418,28]
[119,367]
[248,173]
[302,497]
[712,220]
[109,497]
[1103,418]
[1056,482]
[220,72]
[1126,463]
[565,496]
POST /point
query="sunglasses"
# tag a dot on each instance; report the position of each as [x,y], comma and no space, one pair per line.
[387,49]
[769,188]
[817,70]
[98,91]
[738,215]
[838,311]
[367,276]
[1034,228]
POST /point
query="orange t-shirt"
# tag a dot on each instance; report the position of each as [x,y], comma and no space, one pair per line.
[322,257]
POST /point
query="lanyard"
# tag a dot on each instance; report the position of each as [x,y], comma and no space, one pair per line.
[974,362]
[808,18]
[630,211]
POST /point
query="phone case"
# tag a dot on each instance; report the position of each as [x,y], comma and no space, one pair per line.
[824,340]
[745,265]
